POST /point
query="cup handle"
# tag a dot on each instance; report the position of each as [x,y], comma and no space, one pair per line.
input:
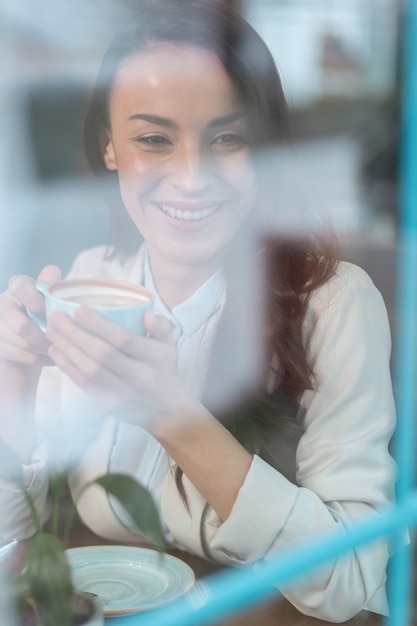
[40,321]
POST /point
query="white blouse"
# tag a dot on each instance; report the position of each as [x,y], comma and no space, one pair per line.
[344,471]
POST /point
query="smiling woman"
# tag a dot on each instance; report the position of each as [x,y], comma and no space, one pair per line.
[258,413]
[184,163]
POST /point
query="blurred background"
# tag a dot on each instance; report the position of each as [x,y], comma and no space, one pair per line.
[340,62]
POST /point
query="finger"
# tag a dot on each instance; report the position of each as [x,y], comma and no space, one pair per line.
[83,370]
[133,356]
[106,393]
[123,340]
[95,356]
[24,335]
[17,328]
[23,292]
[158,327]
[21,288]
[104,385]
[10,353]
[107,388]
[49,274]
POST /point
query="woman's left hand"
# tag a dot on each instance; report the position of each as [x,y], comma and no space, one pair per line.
[131,375]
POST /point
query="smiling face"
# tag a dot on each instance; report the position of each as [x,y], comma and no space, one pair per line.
[178,140]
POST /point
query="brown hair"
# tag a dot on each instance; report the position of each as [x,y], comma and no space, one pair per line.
[294,266]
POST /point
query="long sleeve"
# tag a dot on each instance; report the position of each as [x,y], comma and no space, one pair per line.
[344,471]
[16,520]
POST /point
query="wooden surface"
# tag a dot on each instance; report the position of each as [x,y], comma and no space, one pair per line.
[277,613]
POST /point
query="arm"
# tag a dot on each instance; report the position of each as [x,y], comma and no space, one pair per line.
[23,351]
[345,474]
[17,402]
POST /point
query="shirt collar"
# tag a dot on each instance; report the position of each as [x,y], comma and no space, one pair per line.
[191,314]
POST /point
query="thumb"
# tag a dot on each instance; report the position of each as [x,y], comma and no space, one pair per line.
[158,327]
[49,274]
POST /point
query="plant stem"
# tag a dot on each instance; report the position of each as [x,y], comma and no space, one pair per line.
[56,490]
[68,523]
[33,510]
[32,603]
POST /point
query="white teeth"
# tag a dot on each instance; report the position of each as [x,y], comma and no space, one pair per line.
[188,215]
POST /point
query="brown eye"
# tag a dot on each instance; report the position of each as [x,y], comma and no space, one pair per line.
[153,141]
[229,141]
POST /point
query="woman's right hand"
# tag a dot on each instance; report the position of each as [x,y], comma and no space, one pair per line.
[22,343]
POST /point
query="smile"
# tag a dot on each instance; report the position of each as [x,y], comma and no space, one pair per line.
[188,215]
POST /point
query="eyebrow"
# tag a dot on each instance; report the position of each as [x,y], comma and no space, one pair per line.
[154,119]
[168,123]
[226,119]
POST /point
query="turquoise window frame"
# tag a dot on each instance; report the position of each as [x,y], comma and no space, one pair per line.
[406,331]
[222,594]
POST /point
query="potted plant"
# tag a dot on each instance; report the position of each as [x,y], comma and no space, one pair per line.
[43,593]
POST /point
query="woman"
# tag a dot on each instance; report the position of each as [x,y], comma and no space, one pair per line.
[187,98]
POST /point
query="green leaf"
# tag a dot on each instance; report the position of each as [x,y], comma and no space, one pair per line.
[48,576]
[138,503]
[10,465]
[18,590]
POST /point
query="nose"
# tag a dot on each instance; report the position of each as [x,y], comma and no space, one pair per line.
[191,169]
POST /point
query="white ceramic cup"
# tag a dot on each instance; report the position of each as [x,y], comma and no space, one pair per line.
[118,301]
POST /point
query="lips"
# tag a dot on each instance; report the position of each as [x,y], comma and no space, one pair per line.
[188,212]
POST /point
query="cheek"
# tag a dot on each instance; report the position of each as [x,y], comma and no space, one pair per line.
[241,176]
[249,182]
[137,178]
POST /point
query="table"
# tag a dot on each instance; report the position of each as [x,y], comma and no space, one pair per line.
[278,612]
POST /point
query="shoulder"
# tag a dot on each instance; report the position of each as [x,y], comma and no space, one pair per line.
[351,276]
[99,262]
[88,260]
[348,309]
[348,281]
